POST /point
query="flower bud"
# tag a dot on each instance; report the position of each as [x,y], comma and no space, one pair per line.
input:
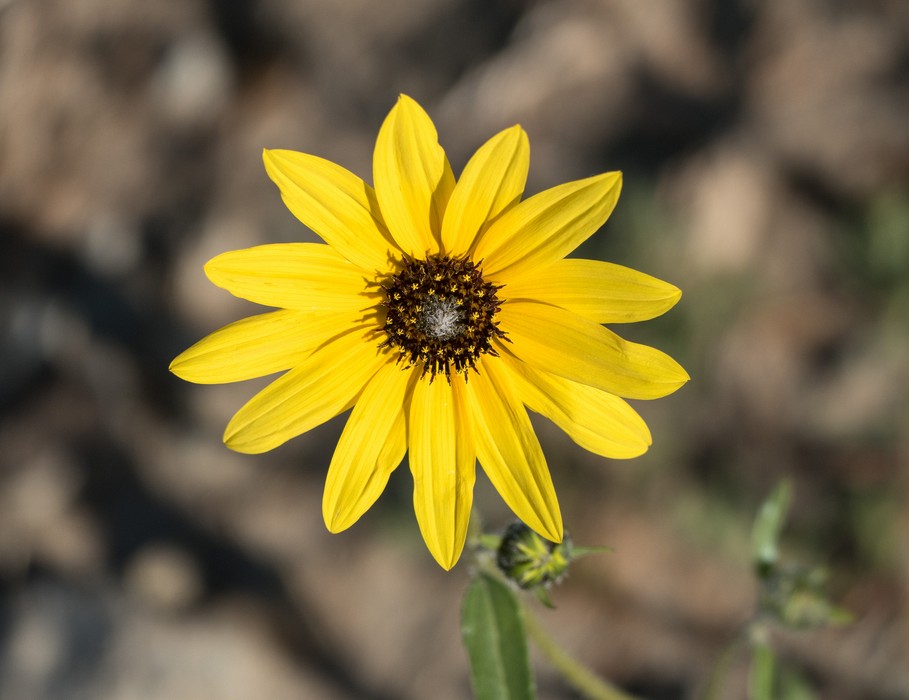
[531,561]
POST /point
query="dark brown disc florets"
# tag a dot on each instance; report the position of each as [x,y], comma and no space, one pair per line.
[441,314]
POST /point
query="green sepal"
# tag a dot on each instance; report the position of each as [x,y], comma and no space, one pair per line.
[490,542]
[542,595]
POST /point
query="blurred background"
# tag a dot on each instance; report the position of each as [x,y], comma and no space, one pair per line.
[765,147]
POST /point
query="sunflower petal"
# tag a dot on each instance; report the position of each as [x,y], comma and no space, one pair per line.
[319,388]
[551,339]
[413,178]
[600,291]
[258,346]
[395,444]
[443,463]
[509,451]
[493,179]
[333,202]
[304,276]
[597,420]
[547,226]
[365,455]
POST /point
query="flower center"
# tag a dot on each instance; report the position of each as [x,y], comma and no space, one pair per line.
[440,314]
[441,319]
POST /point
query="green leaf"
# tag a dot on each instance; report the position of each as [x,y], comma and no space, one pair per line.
[492,627]
[767,526]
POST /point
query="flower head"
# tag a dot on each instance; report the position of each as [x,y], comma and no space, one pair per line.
[437,310]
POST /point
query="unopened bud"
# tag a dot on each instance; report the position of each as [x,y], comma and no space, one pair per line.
[531,561]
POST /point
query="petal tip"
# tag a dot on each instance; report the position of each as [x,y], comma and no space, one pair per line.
[556,534]
[333,523]
[176,367]
[634,451]
[446,560]
[269,159]
[612,180]
[212,269]
[233,440]
[615,179]
[675,379]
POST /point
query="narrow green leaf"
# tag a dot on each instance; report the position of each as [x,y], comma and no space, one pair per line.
[492,627]
[767,526]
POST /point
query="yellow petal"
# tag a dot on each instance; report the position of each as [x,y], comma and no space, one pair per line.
[395,446]
[304,276]
[554,340]
[319,388]
[493,179]
[443,463]
[601,291]
[335,204]
[365,455]
[548,226]
[509,451]
[258,345]
[597,420]
[413,178]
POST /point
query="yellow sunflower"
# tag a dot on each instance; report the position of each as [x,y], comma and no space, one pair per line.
[437,310]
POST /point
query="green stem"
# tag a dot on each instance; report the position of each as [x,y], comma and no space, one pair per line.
[576,674]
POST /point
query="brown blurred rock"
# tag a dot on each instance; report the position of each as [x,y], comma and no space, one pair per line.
[727,197]
[164,577]
[830,91]
[566,77]
[79,138]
